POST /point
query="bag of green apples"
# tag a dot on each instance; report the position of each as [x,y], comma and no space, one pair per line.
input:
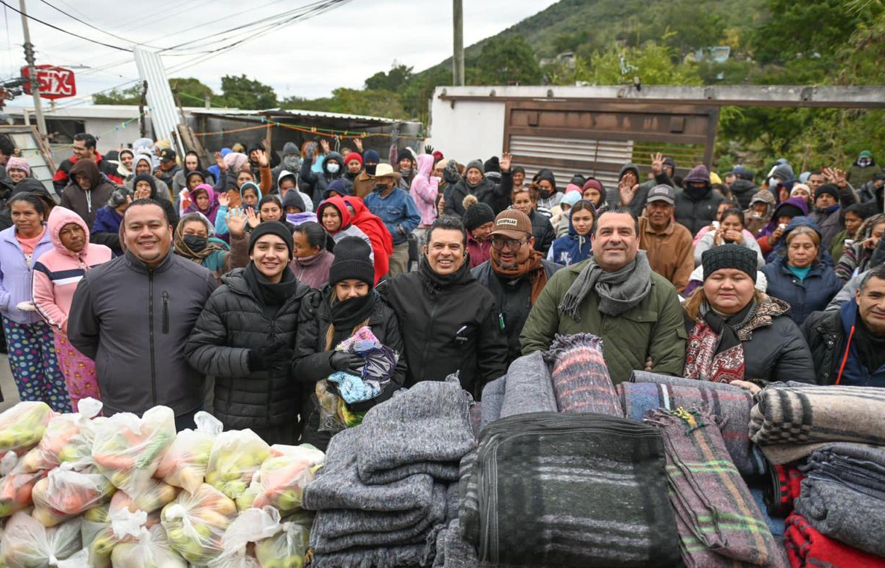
[235,458]
[285,474]
[184,463]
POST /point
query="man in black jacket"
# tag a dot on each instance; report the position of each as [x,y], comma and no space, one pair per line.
[515,273]
[245,338]
[449,320]
[133,315]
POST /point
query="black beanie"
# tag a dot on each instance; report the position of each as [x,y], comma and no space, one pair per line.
[729,256]
[404,155]
[789,210]
[477,215]
[827,188]
[492,165]
[271,228]
[352,260]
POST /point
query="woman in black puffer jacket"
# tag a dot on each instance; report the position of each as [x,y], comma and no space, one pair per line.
[245,338]
[349,302]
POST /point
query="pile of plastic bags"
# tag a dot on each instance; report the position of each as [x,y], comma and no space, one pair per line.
[129,492]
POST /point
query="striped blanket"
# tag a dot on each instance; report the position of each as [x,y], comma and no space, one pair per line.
[580,377]
[790,422]
[568,490]
[716,516]
[730,406]
[808,547]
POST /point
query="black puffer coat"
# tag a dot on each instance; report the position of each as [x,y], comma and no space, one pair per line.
[233,323]
[496,196]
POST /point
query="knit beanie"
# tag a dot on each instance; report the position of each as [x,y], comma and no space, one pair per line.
[475,164]
[16,163]
[729,256]
[371,157]
[572,188]
[353,156]
[437,156]
[352,261]
[492,165]
[827,188]
[271,228]
[477,214]
[782,172]
[403,155]
[595,184]
[789,210]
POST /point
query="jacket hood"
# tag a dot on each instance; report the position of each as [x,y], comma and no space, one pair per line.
[293,199]
[31,185]
[794,201]
[251,184]
[287,173]
[698,174]
[334,156]
[150,179]
[342,185]
[290,148]
[58,218]
[742,186]
[629,166]
[142,158]
[425,165]
[235,161]
[89,169]
[209,192]
[763,197]
[338,203]
[544,173]
[802,221]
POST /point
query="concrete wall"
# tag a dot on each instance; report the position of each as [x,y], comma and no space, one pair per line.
[469,131]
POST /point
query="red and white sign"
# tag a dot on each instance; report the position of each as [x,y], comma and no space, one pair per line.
[55,82]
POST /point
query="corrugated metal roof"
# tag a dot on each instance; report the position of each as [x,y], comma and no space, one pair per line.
[278,112]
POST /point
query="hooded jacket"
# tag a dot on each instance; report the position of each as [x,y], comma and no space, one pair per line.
[858,175]
[348,229]
[106,229]
[58,271]
[86,202]
[570,249]
[743,191]
[233,323]
[134,323]
[214,208]
[308,202]
[637,206]
[771,227]
[543,232]
[448,328]
[171,213]
[756,224]
[316,185]
[803,296]
[179,180]
[291,164]
[424,190]
[221,216]
[162,189]
[62,177]
[496,196]
[695,210]
[376,231]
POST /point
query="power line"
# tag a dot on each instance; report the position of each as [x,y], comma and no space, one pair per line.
[39,21]
[85,23]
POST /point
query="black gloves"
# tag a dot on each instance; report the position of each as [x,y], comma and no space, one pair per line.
[273,356]
[348,362]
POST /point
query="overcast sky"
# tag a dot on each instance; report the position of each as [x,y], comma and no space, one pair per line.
[340,48]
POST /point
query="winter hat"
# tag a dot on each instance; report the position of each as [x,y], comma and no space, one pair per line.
[352,261]
[271,228]
[715,179]
[404,154]
[782,172]
[492,165]
[371,156]
[15,163]
[729,256]
[698,174]
[343,186]
[571,197]
[293,199]
[119,196]
[474,164]
[803,177]
[353,157]
[595,184]
[477,214]
[827,188]
[548,175]
[437,156]
[572,188]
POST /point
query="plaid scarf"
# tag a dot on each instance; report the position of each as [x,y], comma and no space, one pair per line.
[532,266]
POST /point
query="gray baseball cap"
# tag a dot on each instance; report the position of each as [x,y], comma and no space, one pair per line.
[662,193]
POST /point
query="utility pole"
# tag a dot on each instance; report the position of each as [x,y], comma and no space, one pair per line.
[32,71]
[458,57]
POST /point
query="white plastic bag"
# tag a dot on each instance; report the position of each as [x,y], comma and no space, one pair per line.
[22,426]
[128,449]
[285,474]
[28,544]
[151,551]
[185,462]
[196,522]
[287,548]
[16,485]
[251,526]
[152,496]
[236,457]
[125,526]
[64,494]
[59,433]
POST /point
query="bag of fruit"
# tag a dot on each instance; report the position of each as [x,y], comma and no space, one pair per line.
[184,463]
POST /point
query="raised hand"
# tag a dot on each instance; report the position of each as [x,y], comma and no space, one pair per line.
[262,159]
[252,218]
[627,192]
[657,164]
[506,160]
[236,222]
[219,161]
[223,199]
[325,145]
[358,144]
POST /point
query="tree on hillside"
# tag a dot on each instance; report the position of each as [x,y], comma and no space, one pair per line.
[242,92]
[508,60]
[652,63]
[353,101]
[189,89]
[394,80]
[130,96]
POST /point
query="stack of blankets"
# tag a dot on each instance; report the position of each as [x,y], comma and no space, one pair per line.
[388,486]
[829,444]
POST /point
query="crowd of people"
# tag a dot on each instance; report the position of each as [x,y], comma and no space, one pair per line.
[150,279]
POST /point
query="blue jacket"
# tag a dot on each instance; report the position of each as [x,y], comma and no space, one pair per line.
[804,296]
[16,275]
[570,249]
[397,211]
[780,247]
[107,220]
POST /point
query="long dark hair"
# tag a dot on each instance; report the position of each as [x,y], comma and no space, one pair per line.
[314,233]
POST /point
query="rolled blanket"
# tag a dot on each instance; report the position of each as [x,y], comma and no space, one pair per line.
[569,490]
[808,547]
[580,377]
[730,406]
[858,467]
[425,429]
[492,400]
[790,422]
[717,518]
[844,514]
[785,482]
[529,387]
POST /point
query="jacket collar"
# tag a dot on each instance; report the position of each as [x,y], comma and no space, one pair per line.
[10,236]
[236,283]
[671,226]
[138,265]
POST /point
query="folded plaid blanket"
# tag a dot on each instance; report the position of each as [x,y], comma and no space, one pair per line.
[492,400]
[856,466]
[844,514]
[425,429]
[717,517]
[730,405]
[790,422]
[529,387]
[806,547]
[580,377]
[569,490]
[782,489]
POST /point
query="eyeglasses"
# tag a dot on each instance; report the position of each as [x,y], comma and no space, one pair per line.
[513,245]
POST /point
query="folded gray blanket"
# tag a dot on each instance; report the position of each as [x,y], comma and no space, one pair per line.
[790,422]
[419,554]
[730,406]
[844,514]
[492,400]
[425,429]
[580,376]
[858,467]
[529,387]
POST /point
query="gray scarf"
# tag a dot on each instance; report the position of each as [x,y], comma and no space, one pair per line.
[618,291]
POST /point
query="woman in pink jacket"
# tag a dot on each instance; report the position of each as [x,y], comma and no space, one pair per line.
[56,276]
[424,190]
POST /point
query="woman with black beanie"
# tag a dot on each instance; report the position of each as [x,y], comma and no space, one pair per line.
[349,302]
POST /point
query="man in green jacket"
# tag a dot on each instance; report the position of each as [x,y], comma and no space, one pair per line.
[615,295]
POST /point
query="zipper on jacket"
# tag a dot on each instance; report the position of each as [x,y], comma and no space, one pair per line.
[165,311]
[151,334]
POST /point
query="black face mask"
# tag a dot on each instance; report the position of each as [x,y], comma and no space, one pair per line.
[381,187]
[545,193]
[196,243]
[370,169]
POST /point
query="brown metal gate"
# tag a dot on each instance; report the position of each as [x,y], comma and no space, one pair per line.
[597,138]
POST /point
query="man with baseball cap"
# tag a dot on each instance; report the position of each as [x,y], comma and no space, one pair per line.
[168,166]
[515,274]
[667,243]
